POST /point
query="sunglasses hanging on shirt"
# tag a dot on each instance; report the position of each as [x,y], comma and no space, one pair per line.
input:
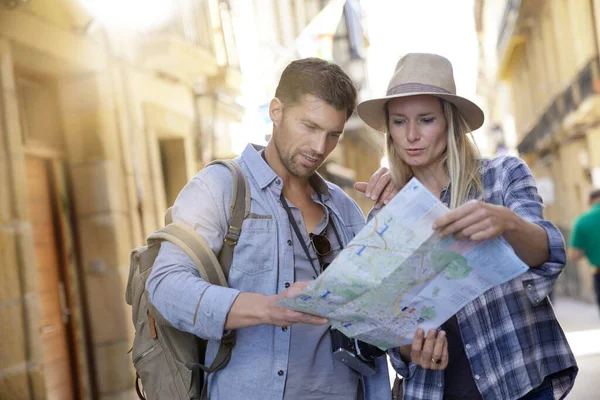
[320,243]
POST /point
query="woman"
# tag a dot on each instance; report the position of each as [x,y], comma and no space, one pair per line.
[506,344]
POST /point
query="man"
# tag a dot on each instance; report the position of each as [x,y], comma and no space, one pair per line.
[585,239]
[279,353]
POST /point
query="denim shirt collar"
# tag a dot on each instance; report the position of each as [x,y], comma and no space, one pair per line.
[264,175]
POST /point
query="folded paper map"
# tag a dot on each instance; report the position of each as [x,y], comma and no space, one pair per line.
[397,274]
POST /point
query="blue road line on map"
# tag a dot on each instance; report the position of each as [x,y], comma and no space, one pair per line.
[360,250]
[347,325]
[382,230]
[327,293]
[305,298]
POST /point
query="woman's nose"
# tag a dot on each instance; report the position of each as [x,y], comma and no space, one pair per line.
[413,132]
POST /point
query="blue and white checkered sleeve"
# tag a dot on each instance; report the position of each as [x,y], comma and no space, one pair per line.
[520,195]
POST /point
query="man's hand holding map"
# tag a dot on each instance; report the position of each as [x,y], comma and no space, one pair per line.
[397,275]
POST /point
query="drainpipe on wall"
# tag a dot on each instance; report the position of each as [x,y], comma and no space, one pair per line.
[205,139]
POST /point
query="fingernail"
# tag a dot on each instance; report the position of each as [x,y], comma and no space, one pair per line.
[442,334]
[385,201]
[434,226]
[377,206]
[373,197]
[368,194]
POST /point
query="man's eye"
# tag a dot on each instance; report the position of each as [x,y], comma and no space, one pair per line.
[335,135]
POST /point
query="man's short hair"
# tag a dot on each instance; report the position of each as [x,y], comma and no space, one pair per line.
[320,78]
[594,195]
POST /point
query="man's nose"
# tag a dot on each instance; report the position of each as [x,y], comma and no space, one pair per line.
[319,144]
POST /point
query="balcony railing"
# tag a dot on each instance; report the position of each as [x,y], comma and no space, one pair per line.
[191,22]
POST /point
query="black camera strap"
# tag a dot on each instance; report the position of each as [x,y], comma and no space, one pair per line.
[286,206]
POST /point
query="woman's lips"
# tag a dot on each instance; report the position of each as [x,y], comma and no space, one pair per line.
[414,152]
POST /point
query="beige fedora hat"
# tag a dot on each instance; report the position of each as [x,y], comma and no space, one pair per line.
[418,74]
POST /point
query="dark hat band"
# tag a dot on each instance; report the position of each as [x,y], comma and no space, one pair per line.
[415,88]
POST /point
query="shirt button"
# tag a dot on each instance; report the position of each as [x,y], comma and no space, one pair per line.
[277,182]
[284,328]
[468,346]
[440,384]
[529,286]
[536,300]
[280,372]
[287,284]
[289,242]
[476,377]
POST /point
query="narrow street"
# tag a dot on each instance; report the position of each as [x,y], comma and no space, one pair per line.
[581,322]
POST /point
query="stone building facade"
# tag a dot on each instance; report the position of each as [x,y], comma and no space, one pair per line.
[541,77]
[100,128]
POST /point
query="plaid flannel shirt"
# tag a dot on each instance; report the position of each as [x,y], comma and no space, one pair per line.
[510,333]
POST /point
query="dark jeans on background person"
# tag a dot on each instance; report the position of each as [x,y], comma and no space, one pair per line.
[597,285]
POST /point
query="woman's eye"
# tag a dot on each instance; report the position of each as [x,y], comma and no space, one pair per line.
[335,135]
[399,121]
[428,120]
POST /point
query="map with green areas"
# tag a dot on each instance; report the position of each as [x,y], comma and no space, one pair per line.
[397,274]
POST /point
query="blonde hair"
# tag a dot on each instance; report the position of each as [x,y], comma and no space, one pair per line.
[460,162]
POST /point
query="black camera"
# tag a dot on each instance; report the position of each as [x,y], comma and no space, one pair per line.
[359,356]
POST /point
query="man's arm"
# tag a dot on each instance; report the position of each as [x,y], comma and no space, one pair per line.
[575,254]
[187,301]
[576,242]
[175,287]
[251,309]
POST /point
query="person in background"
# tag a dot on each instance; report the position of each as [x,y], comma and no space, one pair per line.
[507,343]
[585,239]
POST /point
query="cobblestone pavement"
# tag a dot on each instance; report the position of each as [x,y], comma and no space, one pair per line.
[581,322]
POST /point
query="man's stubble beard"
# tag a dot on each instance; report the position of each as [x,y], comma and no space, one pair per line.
[288,159]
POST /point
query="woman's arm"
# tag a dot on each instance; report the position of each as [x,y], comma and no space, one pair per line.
[528,240]
[518,216]
[478,220]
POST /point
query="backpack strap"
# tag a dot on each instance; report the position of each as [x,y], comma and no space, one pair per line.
[195,247]
[210,269]
[239,207]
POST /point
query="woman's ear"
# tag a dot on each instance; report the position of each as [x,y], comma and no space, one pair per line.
[276,111]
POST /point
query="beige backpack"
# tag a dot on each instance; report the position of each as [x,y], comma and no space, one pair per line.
[169,362]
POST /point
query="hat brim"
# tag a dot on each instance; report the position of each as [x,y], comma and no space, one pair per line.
[372,112]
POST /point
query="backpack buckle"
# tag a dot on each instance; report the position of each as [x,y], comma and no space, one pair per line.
[232,236]
[228,339]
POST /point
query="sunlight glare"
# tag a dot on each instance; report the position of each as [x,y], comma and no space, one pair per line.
[130,14]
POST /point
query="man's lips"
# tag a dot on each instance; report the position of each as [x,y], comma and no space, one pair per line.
[310,161]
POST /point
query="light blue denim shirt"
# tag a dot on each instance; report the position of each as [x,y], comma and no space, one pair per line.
[263,262]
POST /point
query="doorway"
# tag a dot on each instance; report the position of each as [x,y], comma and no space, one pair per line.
[55,313]
[172,157]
